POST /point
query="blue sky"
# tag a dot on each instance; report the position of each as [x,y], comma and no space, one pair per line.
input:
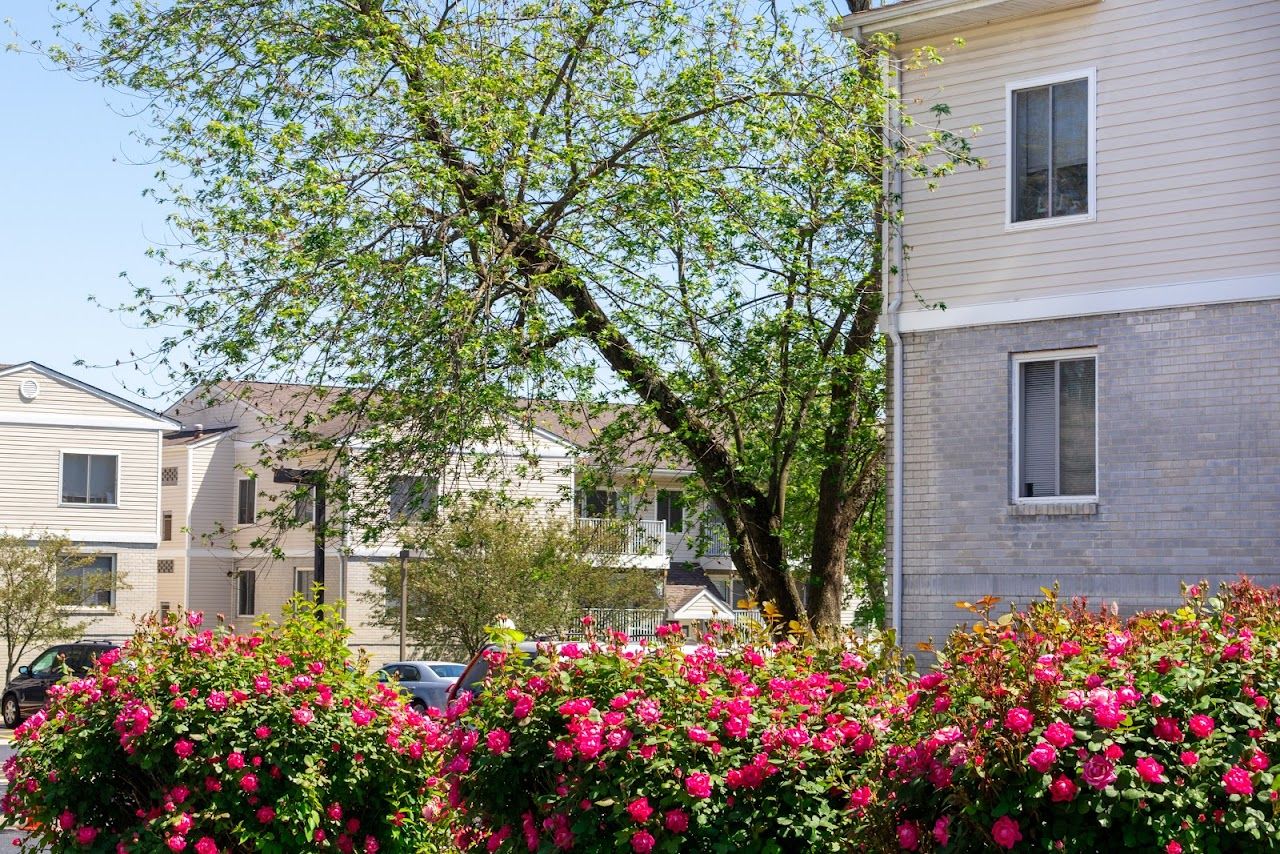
[72,218]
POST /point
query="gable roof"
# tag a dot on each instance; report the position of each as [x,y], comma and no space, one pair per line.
[576,426]
[192,436]
[686,586]
[101,394]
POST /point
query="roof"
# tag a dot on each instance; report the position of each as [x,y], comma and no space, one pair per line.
[192,436]
[580,425]
[684,584]
[87,388]
[913,20]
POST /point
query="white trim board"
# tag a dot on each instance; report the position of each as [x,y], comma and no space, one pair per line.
[1146,298]
[72,421]
[81,536]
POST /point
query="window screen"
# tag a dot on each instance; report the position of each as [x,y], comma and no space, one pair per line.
[1051,151]
[1058,428]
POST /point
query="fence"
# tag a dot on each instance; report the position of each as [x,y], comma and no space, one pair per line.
[622,537]
[635,622]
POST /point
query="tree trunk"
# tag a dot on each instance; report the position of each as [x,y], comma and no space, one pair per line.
[759,556]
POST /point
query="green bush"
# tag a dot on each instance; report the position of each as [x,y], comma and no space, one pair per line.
[1055,729]
[204,740]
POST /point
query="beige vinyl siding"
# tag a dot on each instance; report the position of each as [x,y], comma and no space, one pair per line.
[31,476]
[173,499]
[211,590]
[57,398]
[213,492]
[171,587]
[1188,154]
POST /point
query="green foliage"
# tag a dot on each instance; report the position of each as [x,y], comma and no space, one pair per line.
[204,740]
[479,561]
[435,210]
[35,610]
[1051,729]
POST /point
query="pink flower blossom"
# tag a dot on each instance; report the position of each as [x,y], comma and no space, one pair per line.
[1167,729]
[303,716]
[942,830]
[1059,734]
[1042,757]
[642,842]
[676,821]
[184,748]
[1063,789]
[1098,771]
[1150,770]
[206,845]
[698,785]
[1019,720]
[1005,832]
[265,815]
[498,741]
[86,835]
[908,836]
[1201,726]
[1237,781]
[639,810]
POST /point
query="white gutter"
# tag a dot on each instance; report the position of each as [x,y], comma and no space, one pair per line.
[892,276]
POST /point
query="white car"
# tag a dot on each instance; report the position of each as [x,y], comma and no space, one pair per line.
[426,683]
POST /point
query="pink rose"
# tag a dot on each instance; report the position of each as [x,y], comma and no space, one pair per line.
[698,734]
[860,797]
[206,845]
[265,815]
[698,785]
[176,843]
[639,810]
[1042,757]
[642,842]
[184,748]
[1005,832]
[942,830]
[235,760]
[1174,847]
[1059,734]
[1151,770]
[1098,771]
[1167,730]
[676,821]
[1188,757]
[86,835]
[498,741]
[249,783]
[908,836]
[1063,789]
[1237,781]
[303,716]
[1019,720]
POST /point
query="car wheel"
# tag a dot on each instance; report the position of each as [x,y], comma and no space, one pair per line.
[417,705]
[11,711]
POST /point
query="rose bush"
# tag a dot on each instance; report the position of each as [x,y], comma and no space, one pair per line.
[1056,728]
[200,739]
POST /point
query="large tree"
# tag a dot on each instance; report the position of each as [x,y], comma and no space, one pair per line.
[445,206]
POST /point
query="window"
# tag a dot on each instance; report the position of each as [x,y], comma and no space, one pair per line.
[1050,152]
[1056,424]
[303,579]
[412,496]
[165,608]
[247,508]
[671,509]
[597,503]
[247,593]
[46,664]
[89,478]
[169,476]
[89,585]
[304,506]
[166,527]
[165,566]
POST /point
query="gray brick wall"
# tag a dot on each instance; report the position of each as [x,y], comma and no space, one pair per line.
[1188,462]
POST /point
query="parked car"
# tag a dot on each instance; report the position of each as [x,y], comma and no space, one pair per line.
[426,683]
[27,693]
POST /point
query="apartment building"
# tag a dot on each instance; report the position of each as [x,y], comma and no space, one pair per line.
[1098,403]
[79,462]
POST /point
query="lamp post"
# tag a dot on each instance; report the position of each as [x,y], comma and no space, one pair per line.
[404,599]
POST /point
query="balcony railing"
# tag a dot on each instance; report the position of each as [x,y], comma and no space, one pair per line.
[624,537]
[716,541]
[635,622]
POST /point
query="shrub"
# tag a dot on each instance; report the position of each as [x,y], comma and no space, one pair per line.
[204,740]
[1056,728]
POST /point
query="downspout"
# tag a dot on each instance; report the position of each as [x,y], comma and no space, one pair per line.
[892,283]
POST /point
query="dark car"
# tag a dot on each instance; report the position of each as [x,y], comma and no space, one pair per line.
[29,690]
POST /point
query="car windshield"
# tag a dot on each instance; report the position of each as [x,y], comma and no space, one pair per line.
[45,663]
[453,671]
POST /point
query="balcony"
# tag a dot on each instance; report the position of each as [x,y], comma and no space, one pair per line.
[626,542]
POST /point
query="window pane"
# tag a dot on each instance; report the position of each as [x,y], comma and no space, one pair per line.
[411,496]
[90,585]
[46,662]
[246,511]
[75,478]
[1039,431]
[1031,154]
[1077,427]
[304,507]
[102,479]
[166,527]
[246,603]
[303,579]
[671,510]
[1071,148]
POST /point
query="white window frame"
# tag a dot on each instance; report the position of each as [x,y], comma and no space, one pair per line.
[1015,419]
[254,508]
[239,580]
[115,505]
[306,593]
[311,497]
[115,575]
[1088,74]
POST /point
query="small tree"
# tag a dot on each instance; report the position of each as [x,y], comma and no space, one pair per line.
[482,561]
[33,606]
